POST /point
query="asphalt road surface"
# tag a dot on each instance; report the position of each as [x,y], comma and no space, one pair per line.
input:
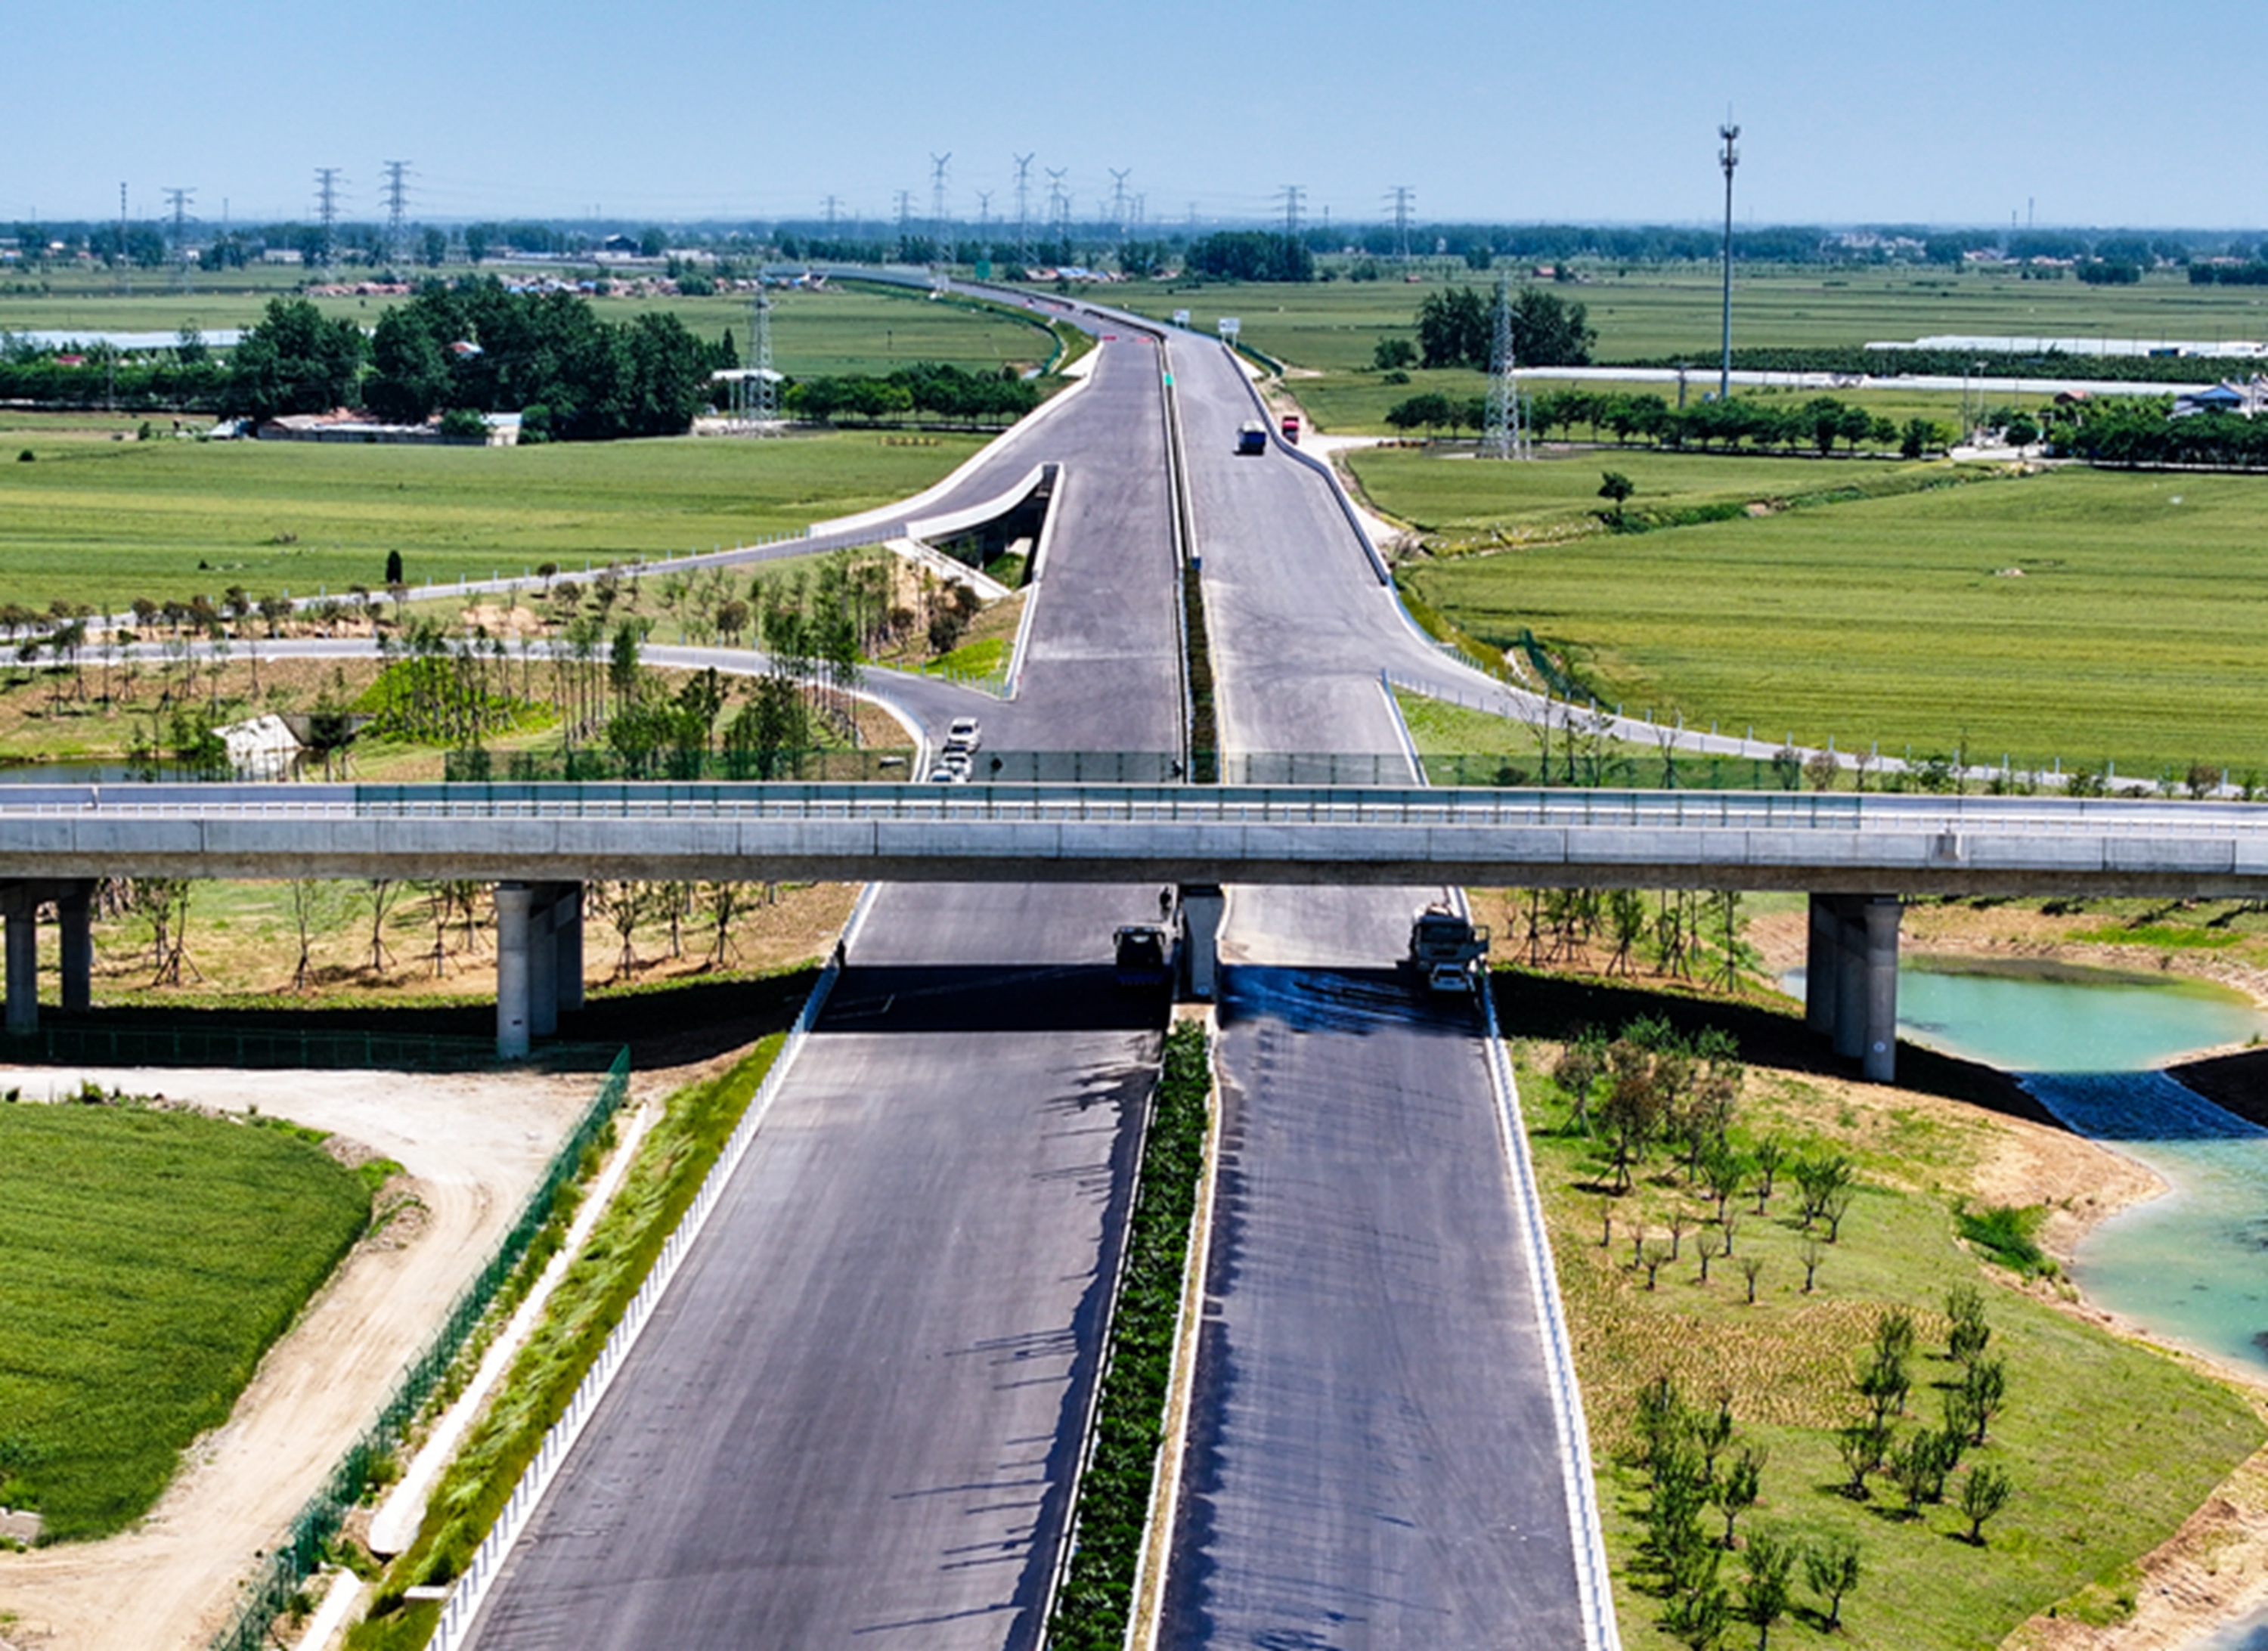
[1373,1459]
[854,1419]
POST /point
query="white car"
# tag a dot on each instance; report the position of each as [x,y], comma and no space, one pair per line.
[963,735]
[943,776]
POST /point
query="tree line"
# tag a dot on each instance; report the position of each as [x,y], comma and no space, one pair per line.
[941,391]
[1818,423]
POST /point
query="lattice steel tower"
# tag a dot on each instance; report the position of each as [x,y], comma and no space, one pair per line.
[1504,436]
[326,205]
[397,204]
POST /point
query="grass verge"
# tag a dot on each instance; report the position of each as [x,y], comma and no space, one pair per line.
[148,1259]
[1114,1493]
[2110,1445]
[672,1163]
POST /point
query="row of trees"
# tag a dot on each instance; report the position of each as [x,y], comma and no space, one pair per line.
[1251,255]
[1694,1471]
[1818,423]
[546,355]
[1456,327]
[2138,431]
[927,387]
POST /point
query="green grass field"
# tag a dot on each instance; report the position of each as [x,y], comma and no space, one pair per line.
[844,328]
[2110,1446]
[1650,313]
[148,1259]
[2132,632]
[105,522]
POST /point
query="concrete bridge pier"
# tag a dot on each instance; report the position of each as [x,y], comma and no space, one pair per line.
[1851,978]
[19,906]
[539,962]
[1201,907]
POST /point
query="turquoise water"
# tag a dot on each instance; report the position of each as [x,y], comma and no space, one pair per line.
[2098,1021]
[2191,1266]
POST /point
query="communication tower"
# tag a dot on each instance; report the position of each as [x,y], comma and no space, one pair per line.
[1503,436]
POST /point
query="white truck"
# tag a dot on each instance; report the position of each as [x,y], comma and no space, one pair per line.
[1447,949]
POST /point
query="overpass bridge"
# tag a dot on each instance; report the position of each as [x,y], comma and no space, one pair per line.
[1857,856]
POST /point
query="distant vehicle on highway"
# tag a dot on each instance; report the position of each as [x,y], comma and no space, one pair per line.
[1252,437]
[1290,428]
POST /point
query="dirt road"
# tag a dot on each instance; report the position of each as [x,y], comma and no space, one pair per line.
[472,1146]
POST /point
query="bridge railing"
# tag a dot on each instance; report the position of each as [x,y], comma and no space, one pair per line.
[1147,804]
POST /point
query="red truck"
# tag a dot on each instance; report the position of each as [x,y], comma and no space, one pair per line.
[1290,428]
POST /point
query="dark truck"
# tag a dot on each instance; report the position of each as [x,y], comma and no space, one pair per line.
[1145,957]
[1445,949]
[1252,438]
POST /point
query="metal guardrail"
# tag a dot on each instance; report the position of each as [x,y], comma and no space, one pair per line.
[1232,805]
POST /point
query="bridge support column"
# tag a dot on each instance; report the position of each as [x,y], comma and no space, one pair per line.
[1879,1059]
[543,960]
[1821,958]
[1201,906]
[567,927]
[21,908]
[1850,977]
[75,913]
[512,901]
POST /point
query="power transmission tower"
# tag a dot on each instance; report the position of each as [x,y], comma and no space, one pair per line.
[179,199]
[1729,159]
[1118,197]
[937,204]
[1401,192]
[1059,202]
[1291,192]
[397,199]
[1503,436]
[1024,208]
[905,219]
[984,212]
[756,405]
[831,204]
[122,237]
[327,208]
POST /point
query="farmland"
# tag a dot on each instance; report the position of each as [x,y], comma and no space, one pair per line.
[148,1258]
[104,522]
[2080,615]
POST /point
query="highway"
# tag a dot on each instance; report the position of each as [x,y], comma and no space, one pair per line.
[1374,1458]
[855,1418]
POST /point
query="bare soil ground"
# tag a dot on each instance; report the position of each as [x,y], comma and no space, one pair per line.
[472,1148]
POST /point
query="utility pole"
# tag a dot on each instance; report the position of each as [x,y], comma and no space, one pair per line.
[179,200]
[1730,158]
[327,206]
[397,199]
[1401,192]
[1024,208]
[1503,438]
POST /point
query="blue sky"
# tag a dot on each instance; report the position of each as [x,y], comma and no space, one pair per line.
[1928,111]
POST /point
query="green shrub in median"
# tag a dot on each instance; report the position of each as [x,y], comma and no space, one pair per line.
[1114,1493]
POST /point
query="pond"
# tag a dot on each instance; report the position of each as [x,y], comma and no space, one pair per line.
[2189,1266]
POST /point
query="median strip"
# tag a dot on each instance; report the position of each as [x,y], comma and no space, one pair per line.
[1111,1534]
